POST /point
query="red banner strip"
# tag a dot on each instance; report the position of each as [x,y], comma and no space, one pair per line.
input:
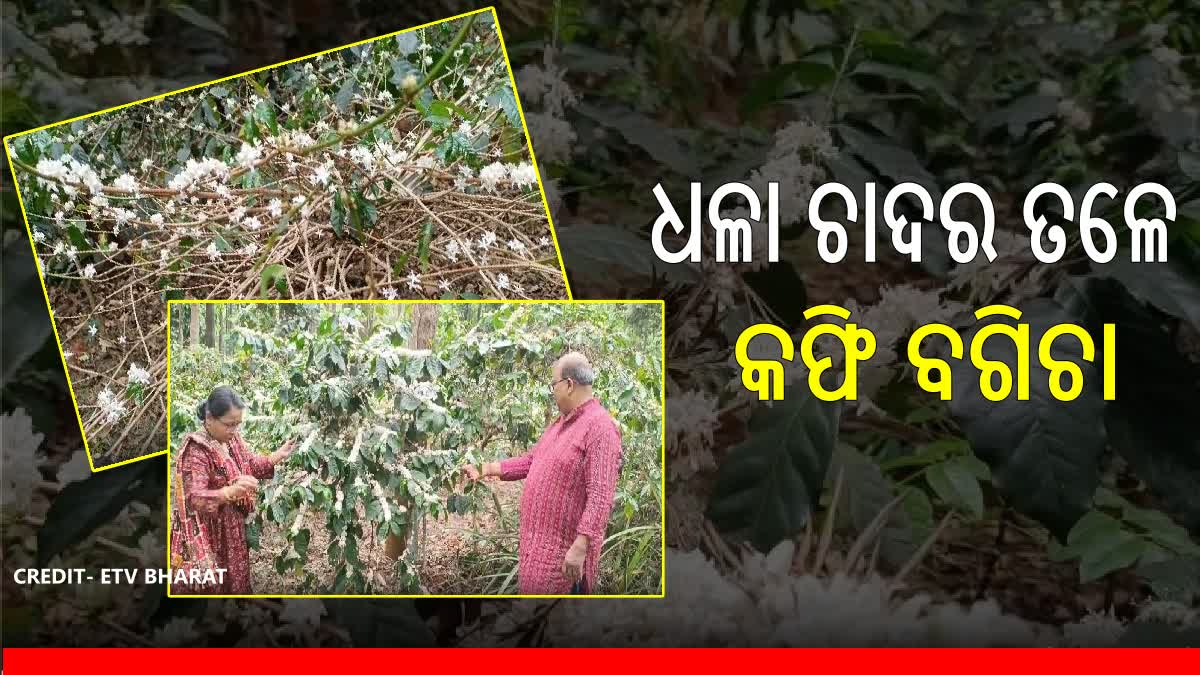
[606,661]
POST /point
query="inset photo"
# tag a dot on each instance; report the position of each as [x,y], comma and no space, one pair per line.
[396,168]
[469,448]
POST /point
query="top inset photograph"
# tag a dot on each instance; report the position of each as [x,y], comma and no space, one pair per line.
[396,168]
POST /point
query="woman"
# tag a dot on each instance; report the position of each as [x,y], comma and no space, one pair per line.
[219,481]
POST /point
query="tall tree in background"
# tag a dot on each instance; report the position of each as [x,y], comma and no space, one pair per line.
[424,327]
[194,328]
[210,320]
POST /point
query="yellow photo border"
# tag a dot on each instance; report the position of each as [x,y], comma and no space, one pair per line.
[662,579]
[38,265]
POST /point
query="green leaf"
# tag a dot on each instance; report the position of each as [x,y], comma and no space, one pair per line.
[1092,527]
[195,18]
[346,94]
[1151,422]
[337,213]
[1168,286]
[272,276]
[918,81]
[1020,114]
[892,160]
[85,505]
[657,141]
[1112,553]
[605,252]
[1176,580]
[21,296]
[503,98]
[770,482]
[1163,531]
[264,114]
[784,81]
[423,244]
[1044,453]
[866,491]
[955,483]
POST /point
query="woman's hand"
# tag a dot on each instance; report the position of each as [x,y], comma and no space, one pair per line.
[471,472]
[284,451]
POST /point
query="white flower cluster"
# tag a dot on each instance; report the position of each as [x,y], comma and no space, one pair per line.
[496,174]
[111,406]
[68,170]
[195,172]
[138,375]
[383,502]
[249,154]
[794,163]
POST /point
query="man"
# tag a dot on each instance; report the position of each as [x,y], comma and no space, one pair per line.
[570,480]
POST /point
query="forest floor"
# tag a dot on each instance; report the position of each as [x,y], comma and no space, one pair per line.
[447,548]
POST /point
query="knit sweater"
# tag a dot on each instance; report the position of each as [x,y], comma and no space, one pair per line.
[570,480]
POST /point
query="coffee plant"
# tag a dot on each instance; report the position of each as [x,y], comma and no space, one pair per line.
[382,428]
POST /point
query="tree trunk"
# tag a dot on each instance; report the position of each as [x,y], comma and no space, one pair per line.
[424,327]
[210,321]
[194,328]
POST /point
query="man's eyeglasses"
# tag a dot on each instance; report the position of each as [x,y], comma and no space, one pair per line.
[554,383]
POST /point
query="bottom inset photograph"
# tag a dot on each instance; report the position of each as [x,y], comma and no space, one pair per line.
[379,448]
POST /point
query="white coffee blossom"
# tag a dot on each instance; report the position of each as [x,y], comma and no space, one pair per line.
[138,375]
[275,208]
[248,155]
[487,239]
[321,175]
[89,272]
[389,293]
[194,173]
[523,175]
[502,281]
[212,251]
[126,182]
[491,175]
[157,220]
[414,281]
[111,406]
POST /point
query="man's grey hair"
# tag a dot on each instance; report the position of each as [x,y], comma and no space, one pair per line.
[580,373]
